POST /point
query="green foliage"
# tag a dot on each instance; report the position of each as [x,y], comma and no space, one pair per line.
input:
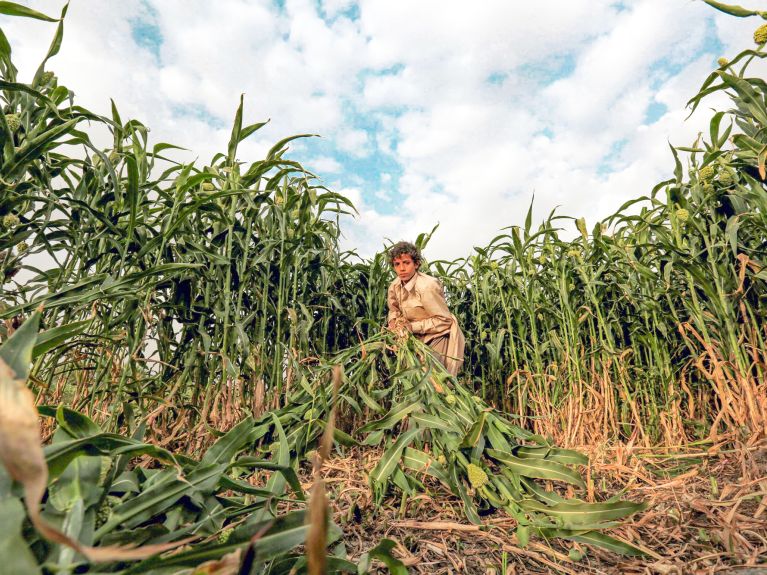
[186,299]
[398,401]
[100,499]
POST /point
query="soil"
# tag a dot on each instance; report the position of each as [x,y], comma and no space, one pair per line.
[707,513]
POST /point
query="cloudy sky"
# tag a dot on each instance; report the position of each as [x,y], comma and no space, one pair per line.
[429,111]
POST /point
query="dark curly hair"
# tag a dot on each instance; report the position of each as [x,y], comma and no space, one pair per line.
[405,248]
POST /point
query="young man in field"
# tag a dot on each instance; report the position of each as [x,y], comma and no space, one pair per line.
[417,305]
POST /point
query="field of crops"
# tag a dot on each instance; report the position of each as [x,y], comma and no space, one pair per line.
[194,378]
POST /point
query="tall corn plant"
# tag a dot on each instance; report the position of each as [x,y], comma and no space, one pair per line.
[652,321]
[191,284]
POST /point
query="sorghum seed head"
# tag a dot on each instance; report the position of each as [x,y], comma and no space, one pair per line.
[225,535]
[682,215]
[760,34]
[706,173]
[722,62]
[726,179]
[10,221]
[477,476]
[13,122]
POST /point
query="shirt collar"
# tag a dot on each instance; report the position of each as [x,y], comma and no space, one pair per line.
[410,285]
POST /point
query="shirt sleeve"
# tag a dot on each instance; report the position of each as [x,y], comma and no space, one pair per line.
[440,319]
[393,304]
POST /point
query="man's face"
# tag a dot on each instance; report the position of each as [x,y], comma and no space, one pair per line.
[404,267]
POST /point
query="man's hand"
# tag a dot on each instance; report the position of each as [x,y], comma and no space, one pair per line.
[400,326]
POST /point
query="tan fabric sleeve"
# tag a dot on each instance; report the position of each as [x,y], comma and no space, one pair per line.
[393,304]
[439,320]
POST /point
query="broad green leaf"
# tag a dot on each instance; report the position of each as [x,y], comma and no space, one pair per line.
[17,557]
[612,544]
[16,352]
[537,468]
[734,9]
[523,535]
[161,496]
[14,9]
[422,462]
[429,421]
[566,456]
[382,552]
[75,423]
[230,444]
[283,534]
[475,433]
[547,497]
[395,415]
[58,455]
[497,440]
[53,338]
[573,515]
[392,456]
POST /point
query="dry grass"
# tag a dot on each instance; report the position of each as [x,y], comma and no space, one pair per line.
[707,514]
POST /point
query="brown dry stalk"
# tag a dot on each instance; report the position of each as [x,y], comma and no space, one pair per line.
[317,534]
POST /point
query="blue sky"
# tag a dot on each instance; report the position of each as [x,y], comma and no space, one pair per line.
[430,112]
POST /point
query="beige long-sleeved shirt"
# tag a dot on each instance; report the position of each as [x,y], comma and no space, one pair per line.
[421,301]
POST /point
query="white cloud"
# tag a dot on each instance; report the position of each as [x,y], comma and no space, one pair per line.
[353,141]
[324,164]
[574,79]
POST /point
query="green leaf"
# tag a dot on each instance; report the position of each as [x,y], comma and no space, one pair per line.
[537,468]
[79,482]
[420,461]
[13,9]
[17,557]
[230,444]
[288,472]
[33,148]
[16,352]
[58,455]
[161,496]
[552,454]
[284,534]
[429,421]
[276,483]
[395,415]
[604,541]
[731,233]
[752,99]
[734,9]
[472,436]
[523,535]
[392,456]
[382,552]
[55,46]
[577,515]
[235,137]
[548,497]
[278,148]
[56,336]
[76,424]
